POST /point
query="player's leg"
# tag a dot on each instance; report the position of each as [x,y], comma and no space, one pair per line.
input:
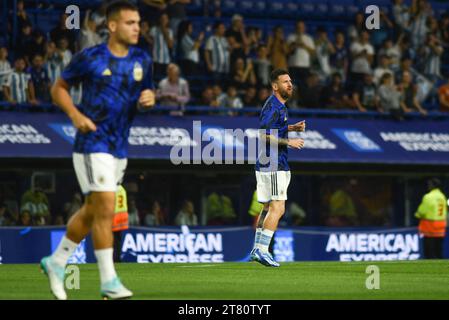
[263,196]
[259,227]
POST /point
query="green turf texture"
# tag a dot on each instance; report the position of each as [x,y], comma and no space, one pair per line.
[234,281]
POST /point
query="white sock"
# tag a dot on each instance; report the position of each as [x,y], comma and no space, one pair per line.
[257,238]
[105,264]
[265,239]
[63,252]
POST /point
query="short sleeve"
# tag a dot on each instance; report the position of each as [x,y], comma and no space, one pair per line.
[77,69]
[209,45]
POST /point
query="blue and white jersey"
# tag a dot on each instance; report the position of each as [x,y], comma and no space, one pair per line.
[218,46]
[18,85]
[54,68]
[161,53]
[111,90]
[274,115]
[5,71]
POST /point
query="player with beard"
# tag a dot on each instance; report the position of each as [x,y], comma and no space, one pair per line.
[273,176]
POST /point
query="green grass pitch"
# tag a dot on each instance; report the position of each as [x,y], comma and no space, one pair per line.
[292,281]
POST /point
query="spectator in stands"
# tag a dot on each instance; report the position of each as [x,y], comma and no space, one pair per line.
[176,10]
[217,54]
[262,95]
[21,16]
[54,60]
[382,68]
[310,93]
[406,65]
[379,35]
[243,75]
[430,57]
[401,15]
[408,91]
[278,48]
[365,95]
[324,50]
[186,216]
[58,220]
[362,53]
[18,87]
[24,43]
[254,41]
[35,202]
[173,91]
[39,78]
[444,28]
[262,66]
[421,10]
[61,31]
[3,215]
[443,96]
[133,213]
[162,42]
[38,44]
[5,70]
[237,39]
[301,53]
[74,205]
[249,98]
[208,97]
[390,98]
[25,219]
[339,60]
[334,95]
[355,30]
[189,48]
[392,52]
[63,48]
[145,41]
[230,100]
[156,216]
[89,36]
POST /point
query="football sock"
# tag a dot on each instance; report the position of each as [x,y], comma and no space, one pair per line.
[63,252]
[257,238]
[105,264]
[265,239]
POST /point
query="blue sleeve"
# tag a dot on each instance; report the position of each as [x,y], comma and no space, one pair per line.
[77,69]
[268,118]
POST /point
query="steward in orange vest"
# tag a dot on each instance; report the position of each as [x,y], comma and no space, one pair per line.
[432,213]
[120,221]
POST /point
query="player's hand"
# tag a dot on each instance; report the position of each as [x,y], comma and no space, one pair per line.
[299,126]
[83,123]
[296,143]
[147,99]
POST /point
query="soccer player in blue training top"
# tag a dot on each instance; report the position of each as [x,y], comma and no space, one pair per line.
[273,177]
[117,81]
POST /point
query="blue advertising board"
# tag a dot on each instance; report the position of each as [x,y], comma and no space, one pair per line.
[24,135]
[223,244]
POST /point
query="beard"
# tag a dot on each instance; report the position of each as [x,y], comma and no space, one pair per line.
[285,94]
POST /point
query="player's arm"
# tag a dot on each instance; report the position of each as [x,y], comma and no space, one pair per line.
[60,93]
[296,143]
[147,98]
[299,126]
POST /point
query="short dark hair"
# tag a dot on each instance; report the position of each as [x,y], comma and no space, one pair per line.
[277,73]
[434,183]
[117,6]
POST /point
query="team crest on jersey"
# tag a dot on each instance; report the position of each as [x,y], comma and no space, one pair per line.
[107,73]
[138,72]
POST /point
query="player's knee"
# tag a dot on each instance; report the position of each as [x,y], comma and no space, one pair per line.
[101,206]
[278,208]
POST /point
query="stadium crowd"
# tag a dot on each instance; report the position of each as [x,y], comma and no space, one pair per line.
[396,69]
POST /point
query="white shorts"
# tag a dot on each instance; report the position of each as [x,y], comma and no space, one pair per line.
[272,185]
[99,172]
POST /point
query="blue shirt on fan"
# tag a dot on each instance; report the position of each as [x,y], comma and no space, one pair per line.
[274,115]
[111,90]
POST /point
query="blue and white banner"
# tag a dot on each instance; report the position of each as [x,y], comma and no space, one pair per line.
[223,244]
[37,135]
